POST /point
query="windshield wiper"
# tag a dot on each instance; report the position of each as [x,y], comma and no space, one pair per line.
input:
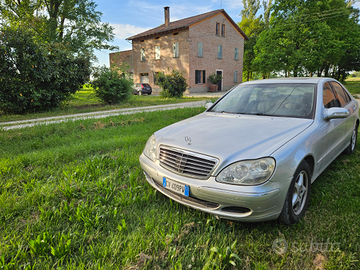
[262,114]
[228,112]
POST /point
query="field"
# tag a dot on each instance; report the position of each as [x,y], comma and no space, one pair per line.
[73,196]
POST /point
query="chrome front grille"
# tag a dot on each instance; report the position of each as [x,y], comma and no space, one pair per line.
[187,163]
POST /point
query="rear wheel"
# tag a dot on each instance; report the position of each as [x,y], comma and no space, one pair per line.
[352,146]
[297,198]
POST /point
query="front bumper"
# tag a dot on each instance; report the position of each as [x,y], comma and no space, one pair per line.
[240,203]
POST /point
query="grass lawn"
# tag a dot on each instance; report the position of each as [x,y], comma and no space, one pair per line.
[84,101]
[73,196]
[353,85]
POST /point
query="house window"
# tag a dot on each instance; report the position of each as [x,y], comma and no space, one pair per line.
[235,76]
[200,49]
[157,37]
[223,30]
[176,33]
[157,52]
[219,55]
[236,53]
[176,49]
[142,54]
[218,29]
[200,76]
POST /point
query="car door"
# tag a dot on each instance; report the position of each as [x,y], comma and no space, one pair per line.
[331,133]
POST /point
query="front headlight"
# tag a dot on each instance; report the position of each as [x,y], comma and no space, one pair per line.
[150,148]
[247,172]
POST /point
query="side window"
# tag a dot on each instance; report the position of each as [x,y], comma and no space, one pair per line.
[236,54]
[176,49]
[340,94]
[200,49]
[199,74]
[142,54]
[157,52]
[329,99]
[219,52]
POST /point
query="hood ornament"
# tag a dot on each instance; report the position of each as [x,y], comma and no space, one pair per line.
[188,140]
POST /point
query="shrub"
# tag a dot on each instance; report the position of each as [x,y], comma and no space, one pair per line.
[215,78]
[173,85]
[36,77]
[110,86]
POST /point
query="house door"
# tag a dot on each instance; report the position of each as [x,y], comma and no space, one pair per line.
[219,72]
[144,77]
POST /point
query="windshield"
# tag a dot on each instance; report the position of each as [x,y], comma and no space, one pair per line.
[277,99]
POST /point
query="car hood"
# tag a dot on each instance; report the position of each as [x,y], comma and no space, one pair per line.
[230,137]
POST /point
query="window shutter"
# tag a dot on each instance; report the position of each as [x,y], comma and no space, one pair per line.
[157,52]
[200,49]
[176,49]
[204,77]
[219,51]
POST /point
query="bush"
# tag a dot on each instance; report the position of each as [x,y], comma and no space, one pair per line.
[173,85]
[110,86]
[36,77]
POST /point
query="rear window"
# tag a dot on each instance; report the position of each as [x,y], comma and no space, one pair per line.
[146,85]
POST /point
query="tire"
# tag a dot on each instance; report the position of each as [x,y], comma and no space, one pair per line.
[352,146]
[297,198]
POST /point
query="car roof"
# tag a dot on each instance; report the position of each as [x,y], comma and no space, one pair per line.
[290,80]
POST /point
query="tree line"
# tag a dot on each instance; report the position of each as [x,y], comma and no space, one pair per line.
[301,38]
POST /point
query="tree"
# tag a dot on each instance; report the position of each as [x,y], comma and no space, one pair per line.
[252,26]
[308,37]
[36,77]
[75,23]
[173,84]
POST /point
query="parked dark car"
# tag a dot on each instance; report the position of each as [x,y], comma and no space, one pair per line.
[142,89]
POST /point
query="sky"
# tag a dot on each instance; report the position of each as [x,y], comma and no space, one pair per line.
[131,17]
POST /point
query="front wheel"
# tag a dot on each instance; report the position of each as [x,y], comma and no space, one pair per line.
[351,148]
[297,198]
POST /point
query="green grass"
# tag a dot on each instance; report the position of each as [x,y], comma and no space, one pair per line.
[353,85]
[73,196]
[85,101]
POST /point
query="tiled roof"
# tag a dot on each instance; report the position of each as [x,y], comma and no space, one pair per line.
[185,23]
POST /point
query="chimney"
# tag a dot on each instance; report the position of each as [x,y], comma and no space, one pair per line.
[167,16]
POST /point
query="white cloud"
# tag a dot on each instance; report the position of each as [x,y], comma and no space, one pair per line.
[230,4]
[123,31]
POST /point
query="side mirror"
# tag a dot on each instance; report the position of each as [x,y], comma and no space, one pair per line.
[333,113]
[208,105]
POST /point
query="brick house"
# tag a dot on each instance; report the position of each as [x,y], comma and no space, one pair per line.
[199,46]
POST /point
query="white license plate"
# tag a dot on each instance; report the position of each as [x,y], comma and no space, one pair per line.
[176,187]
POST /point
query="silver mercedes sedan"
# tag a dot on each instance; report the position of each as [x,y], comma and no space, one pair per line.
[253,154]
